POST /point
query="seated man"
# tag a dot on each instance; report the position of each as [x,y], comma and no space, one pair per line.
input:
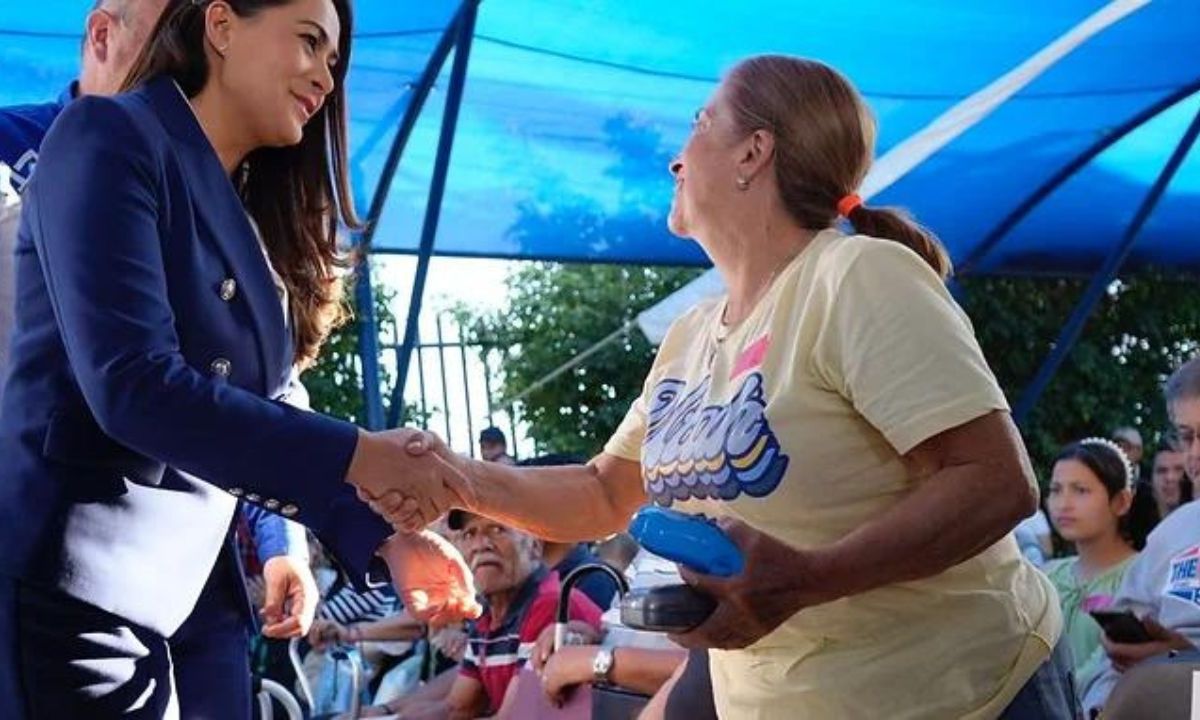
[1161,588]
[562,558]
[520,598]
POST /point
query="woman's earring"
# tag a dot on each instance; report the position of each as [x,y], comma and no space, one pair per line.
[743,184]
[245,174]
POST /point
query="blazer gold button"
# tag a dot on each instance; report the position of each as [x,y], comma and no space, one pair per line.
[289,510]
[228,289]
[221,367]
[271,504]
[253,497]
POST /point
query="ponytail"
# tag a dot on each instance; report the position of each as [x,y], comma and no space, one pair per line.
[896,224]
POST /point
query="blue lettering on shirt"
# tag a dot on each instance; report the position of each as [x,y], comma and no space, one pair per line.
[1183,582]
[693,450]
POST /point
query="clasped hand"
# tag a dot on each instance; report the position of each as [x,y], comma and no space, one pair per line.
[402,481]
[408,477]
[775,583]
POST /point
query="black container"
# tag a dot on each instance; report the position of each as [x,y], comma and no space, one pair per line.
[667,608]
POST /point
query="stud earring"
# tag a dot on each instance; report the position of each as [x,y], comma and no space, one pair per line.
[743,184]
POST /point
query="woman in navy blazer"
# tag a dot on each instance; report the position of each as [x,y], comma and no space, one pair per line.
[177,259]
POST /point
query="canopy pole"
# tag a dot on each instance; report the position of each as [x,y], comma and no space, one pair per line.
[1103,277]
[368,344]
[368,327]
[1068,171]
[433,207]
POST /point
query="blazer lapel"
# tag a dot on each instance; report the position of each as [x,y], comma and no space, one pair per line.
[220,210]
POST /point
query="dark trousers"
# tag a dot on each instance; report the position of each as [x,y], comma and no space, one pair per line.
[77,661]
[692,696]
[1050,693]
[11,702]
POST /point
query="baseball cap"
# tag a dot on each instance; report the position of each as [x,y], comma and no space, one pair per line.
[492,435]
[457,519]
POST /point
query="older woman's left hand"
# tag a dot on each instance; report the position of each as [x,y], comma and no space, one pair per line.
[774,584]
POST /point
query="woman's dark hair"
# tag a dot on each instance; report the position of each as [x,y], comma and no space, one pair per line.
[1110,465]
[1143,515]
[295,194]
[824,142]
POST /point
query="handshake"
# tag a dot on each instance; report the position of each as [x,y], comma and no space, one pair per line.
[410,478]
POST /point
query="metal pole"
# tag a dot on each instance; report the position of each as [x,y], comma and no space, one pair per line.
[433,207]
[512,412]
[441,350]
[1103,277]
[512,431]
[972,261]
[485,355]
[368,345]
[368,326]
[462,351]
[421,381]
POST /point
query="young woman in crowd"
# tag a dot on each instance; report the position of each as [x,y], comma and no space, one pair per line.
[1089,500]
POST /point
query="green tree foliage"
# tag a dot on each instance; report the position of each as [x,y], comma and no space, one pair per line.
[1144,327]
[334,383]
[557,311]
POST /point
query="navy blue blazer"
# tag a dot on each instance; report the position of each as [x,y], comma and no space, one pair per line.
[149,340]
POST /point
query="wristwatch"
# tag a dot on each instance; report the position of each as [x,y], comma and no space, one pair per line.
[602,665]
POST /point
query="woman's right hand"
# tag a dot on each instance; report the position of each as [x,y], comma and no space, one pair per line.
[402,482]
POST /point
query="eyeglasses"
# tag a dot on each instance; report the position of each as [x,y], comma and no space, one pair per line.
[1182,436]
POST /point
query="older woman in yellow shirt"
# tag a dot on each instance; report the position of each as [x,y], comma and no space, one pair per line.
[835,410]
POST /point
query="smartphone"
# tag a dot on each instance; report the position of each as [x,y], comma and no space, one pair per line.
[1122,627]
[666,608]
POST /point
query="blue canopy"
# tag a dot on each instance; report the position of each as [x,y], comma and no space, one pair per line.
[572,109]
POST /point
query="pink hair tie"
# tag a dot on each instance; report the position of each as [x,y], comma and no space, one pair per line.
[848,204]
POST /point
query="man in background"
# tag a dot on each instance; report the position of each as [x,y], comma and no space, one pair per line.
[520,598]
[1130,440]
[493,446]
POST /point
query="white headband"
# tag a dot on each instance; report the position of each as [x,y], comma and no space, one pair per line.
[1125,462]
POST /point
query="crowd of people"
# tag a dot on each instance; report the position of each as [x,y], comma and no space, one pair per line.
[177,266]
[1128,543]
[1099,553]
[475,670]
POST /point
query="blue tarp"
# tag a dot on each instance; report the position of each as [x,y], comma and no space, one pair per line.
[573,108]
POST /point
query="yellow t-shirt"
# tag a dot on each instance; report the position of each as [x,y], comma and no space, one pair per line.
[795,422]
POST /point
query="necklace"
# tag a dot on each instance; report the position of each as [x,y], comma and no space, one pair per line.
[722,330]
